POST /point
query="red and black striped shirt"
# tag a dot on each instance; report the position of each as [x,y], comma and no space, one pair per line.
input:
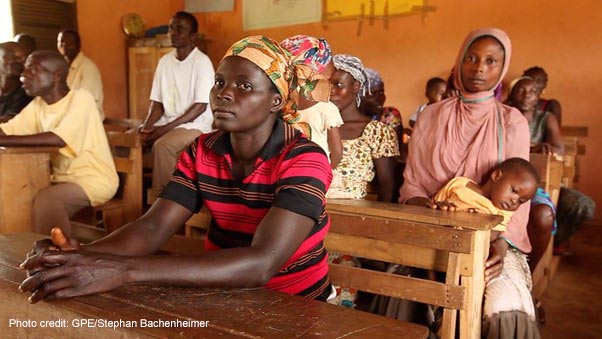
[291,173]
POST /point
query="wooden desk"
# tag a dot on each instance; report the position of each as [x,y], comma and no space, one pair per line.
[456,243]
[24,171]
[249,313]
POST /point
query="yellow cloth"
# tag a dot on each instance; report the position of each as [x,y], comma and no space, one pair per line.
[86,159]
[83,74]
[465,198]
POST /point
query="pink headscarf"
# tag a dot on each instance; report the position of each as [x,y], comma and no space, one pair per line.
[459,137]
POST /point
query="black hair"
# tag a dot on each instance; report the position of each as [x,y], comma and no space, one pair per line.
[75,35]
[56,60]
[194,24]
[27,40]
[535,69]
[518,164]
[432,82]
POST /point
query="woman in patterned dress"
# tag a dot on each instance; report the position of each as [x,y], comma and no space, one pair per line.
[369,146]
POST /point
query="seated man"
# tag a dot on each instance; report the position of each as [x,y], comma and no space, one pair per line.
[178,112]
[83,172]
[83,73]
[12,96]
[27,43]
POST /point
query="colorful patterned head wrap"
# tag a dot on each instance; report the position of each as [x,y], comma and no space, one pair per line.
[308,50]
[291,80]
[374,77]
[353,65]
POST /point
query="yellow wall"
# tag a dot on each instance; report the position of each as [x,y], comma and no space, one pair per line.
[104,42]
[564,37]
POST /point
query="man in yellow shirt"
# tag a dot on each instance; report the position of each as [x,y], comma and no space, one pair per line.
[83,73]
[83,172]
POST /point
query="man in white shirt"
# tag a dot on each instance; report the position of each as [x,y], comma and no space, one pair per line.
[83,73]
[179,111]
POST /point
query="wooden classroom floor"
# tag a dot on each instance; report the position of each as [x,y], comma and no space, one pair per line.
[573,301]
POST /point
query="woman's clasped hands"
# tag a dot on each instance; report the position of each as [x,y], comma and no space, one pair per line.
[61,268]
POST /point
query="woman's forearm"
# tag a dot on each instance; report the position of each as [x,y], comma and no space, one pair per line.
[235,267]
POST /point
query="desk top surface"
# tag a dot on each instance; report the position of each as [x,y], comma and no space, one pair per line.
[231,312]
[417,214]
[27,149]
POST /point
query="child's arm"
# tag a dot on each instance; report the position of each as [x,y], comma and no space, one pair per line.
[454,196]
[335,145]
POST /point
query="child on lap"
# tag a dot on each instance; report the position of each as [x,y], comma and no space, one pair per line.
[510,184]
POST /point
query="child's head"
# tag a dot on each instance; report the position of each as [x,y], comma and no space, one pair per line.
[512,183]
[435,88]
[311,51]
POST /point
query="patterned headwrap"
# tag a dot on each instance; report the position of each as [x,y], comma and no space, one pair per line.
[373,77]
[353,65]
[308,50]
[291,80]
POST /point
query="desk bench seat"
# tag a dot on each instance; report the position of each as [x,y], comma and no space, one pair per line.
[230,312]
[456,243]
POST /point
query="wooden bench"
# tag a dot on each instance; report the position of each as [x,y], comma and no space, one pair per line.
[569,159]
[126,148]
[572,151]
[456,243]
[228,312]
[122,125]
[551,173]
[556,171]
[573,148]
[574,131]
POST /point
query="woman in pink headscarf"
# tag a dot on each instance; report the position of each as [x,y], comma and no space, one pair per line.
[466,136]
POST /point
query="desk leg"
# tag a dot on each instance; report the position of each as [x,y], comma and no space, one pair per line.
[470,318]
[452,277]
[22,176]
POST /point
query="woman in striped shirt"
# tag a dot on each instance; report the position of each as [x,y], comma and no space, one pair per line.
[262,181]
